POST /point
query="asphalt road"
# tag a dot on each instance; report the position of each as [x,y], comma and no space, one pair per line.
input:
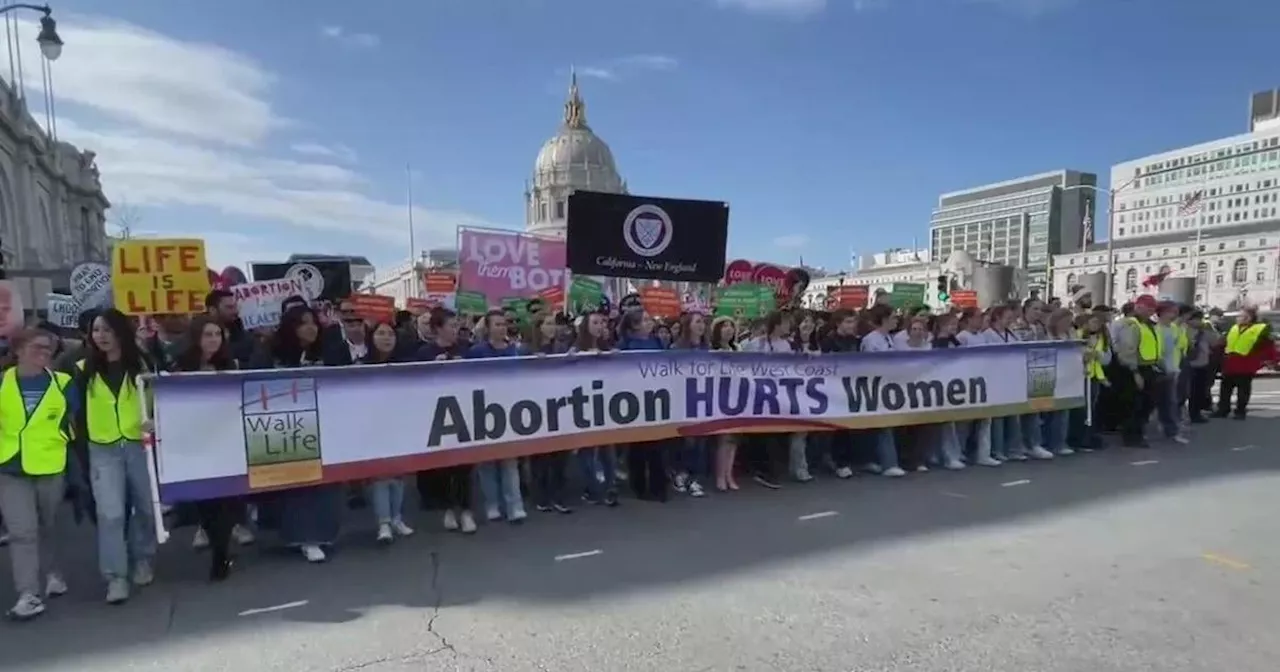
[1163,560]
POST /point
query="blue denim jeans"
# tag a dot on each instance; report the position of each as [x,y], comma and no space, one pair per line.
[977,432]
[387,498]
[597,463]
[886,451]
[500,486]
[1167,410]
[1056,425]
[1006,437]
[122,485]
[946,441]
[1032,431]
[692,456]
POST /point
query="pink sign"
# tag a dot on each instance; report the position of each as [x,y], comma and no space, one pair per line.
[738,270]
[772,276]
[508,265]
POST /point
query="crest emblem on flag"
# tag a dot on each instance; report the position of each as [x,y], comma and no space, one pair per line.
[647,230]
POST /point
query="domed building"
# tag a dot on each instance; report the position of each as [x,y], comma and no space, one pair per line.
[575,158]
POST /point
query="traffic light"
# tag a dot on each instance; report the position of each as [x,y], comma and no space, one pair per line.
[944,289]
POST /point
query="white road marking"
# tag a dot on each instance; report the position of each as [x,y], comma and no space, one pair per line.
[820,514]
[1240,448]
[1143,463]
[1011,484]
[957,495]
[278,607]
[575,556]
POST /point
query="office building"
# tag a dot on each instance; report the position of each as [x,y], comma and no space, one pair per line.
[1208,211]
[1020,223]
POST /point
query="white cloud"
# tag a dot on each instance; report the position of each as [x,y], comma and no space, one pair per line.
[791,242]
[791,8]
[337,152]
[141,78]
[188,126]
[618,68]
[347,39]
[650,61]
[591,72]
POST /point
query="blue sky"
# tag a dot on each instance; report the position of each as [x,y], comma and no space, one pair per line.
[277,127]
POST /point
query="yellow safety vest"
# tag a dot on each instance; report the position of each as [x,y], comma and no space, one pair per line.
[112,418]
[1150,349]
[1241,341]
[39,439]
[1094,369]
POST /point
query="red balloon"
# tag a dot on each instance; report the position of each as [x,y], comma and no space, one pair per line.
[738,270]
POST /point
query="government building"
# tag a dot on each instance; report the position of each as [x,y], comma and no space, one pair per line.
[1207,212]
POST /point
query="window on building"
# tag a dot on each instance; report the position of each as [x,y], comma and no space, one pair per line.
[1071,280]
[1260,276]
[1164,268]
[1131,280]
[559,209]
[1217,279]
[1240,272]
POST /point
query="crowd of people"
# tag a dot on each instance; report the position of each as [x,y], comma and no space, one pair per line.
[72,428]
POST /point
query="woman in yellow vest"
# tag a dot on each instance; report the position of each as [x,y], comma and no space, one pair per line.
[1247,348]
[37,406]
[118,473]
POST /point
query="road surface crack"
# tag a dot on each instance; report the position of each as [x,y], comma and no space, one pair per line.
[437,601]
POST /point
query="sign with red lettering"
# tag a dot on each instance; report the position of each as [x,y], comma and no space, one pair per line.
[159,277]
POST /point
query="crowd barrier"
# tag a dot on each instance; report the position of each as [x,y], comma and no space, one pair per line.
[243,432]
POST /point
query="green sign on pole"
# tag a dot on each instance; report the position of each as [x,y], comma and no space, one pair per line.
[585,294]
[472,303]
[906,295]
[748,300]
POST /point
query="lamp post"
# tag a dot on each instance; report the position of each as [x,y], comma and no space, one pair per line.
[1111,230]
[50,43]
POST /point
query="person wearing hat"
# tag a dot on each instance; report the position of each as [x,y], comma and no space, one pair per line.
[1173,348]
[1139,350]
[1247,348]
[1198,369]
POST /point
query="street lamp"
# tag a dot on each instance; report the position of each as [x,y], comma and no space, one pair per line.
[1111,229]
[50,43]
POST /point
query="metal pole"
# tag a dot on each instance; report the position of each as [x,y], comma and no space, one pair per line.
[1111,248]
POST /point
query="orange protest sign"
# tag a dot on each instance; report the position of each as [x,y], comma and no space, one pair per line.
[440,282]
[964,298]
[418,306]
[553,297]
[660,302]
[373,307]
[161,276]
[847,297]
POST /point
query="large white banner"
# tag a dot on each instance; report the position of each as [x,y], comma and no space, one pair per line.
[237,432]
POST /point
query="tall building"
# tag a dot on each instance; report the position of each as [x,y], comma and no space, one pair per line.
[52,209]
[1021,222]
[1264,110]
[1207,211]
[574,158]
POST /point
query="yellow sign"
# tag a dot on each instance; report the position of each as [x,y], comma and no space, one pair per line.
[160,276]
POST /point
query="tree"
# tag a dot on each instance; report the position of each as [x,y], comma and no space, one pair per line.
[125,219]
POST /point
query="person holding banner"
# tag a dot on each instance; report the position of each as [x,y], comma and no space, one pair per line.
[208,349]
[450,485]
[646,462]
[499,481]
[37,406]
[693,451]
[548,469]
[1006,432]
[883,322]
[723,333]
[118,472]
[599,466]
[309,517]
[843,338]
[387,494]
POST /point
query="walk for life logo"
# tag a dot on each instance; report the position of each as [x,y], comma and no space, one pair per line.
[1042,378]
[281,432]
[647,230]
[311,278]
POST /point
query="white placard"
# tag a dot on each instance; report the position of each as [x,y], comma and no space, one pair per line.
[64,311]
[259,302]
[91,285]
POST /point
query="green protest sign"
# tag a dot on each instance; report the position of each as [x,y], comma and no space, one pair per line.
[471,303]
[585,294]
[744,300]
[906,295]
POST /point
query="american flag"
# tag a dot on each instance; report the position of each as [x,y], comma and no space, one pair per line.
[1087,227]
[1192,203]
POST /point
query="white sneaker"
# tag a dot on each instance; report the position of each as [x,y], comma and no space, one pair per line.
[243,535]
[844,472]
[492,514]
[401,529]
[872,468]
[117,591]
[681,483]
[988,462]
[55,585]
[143,574]
[28,606]
[450,520]
[1064,451]
[893,472]
[313,553]
[384,534]
[517,516]
[1039,453]
[922,469]
[4,539]
[1181,440]
[954,465]
[803,475]
[695,489]
[200,541]
[468,523]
